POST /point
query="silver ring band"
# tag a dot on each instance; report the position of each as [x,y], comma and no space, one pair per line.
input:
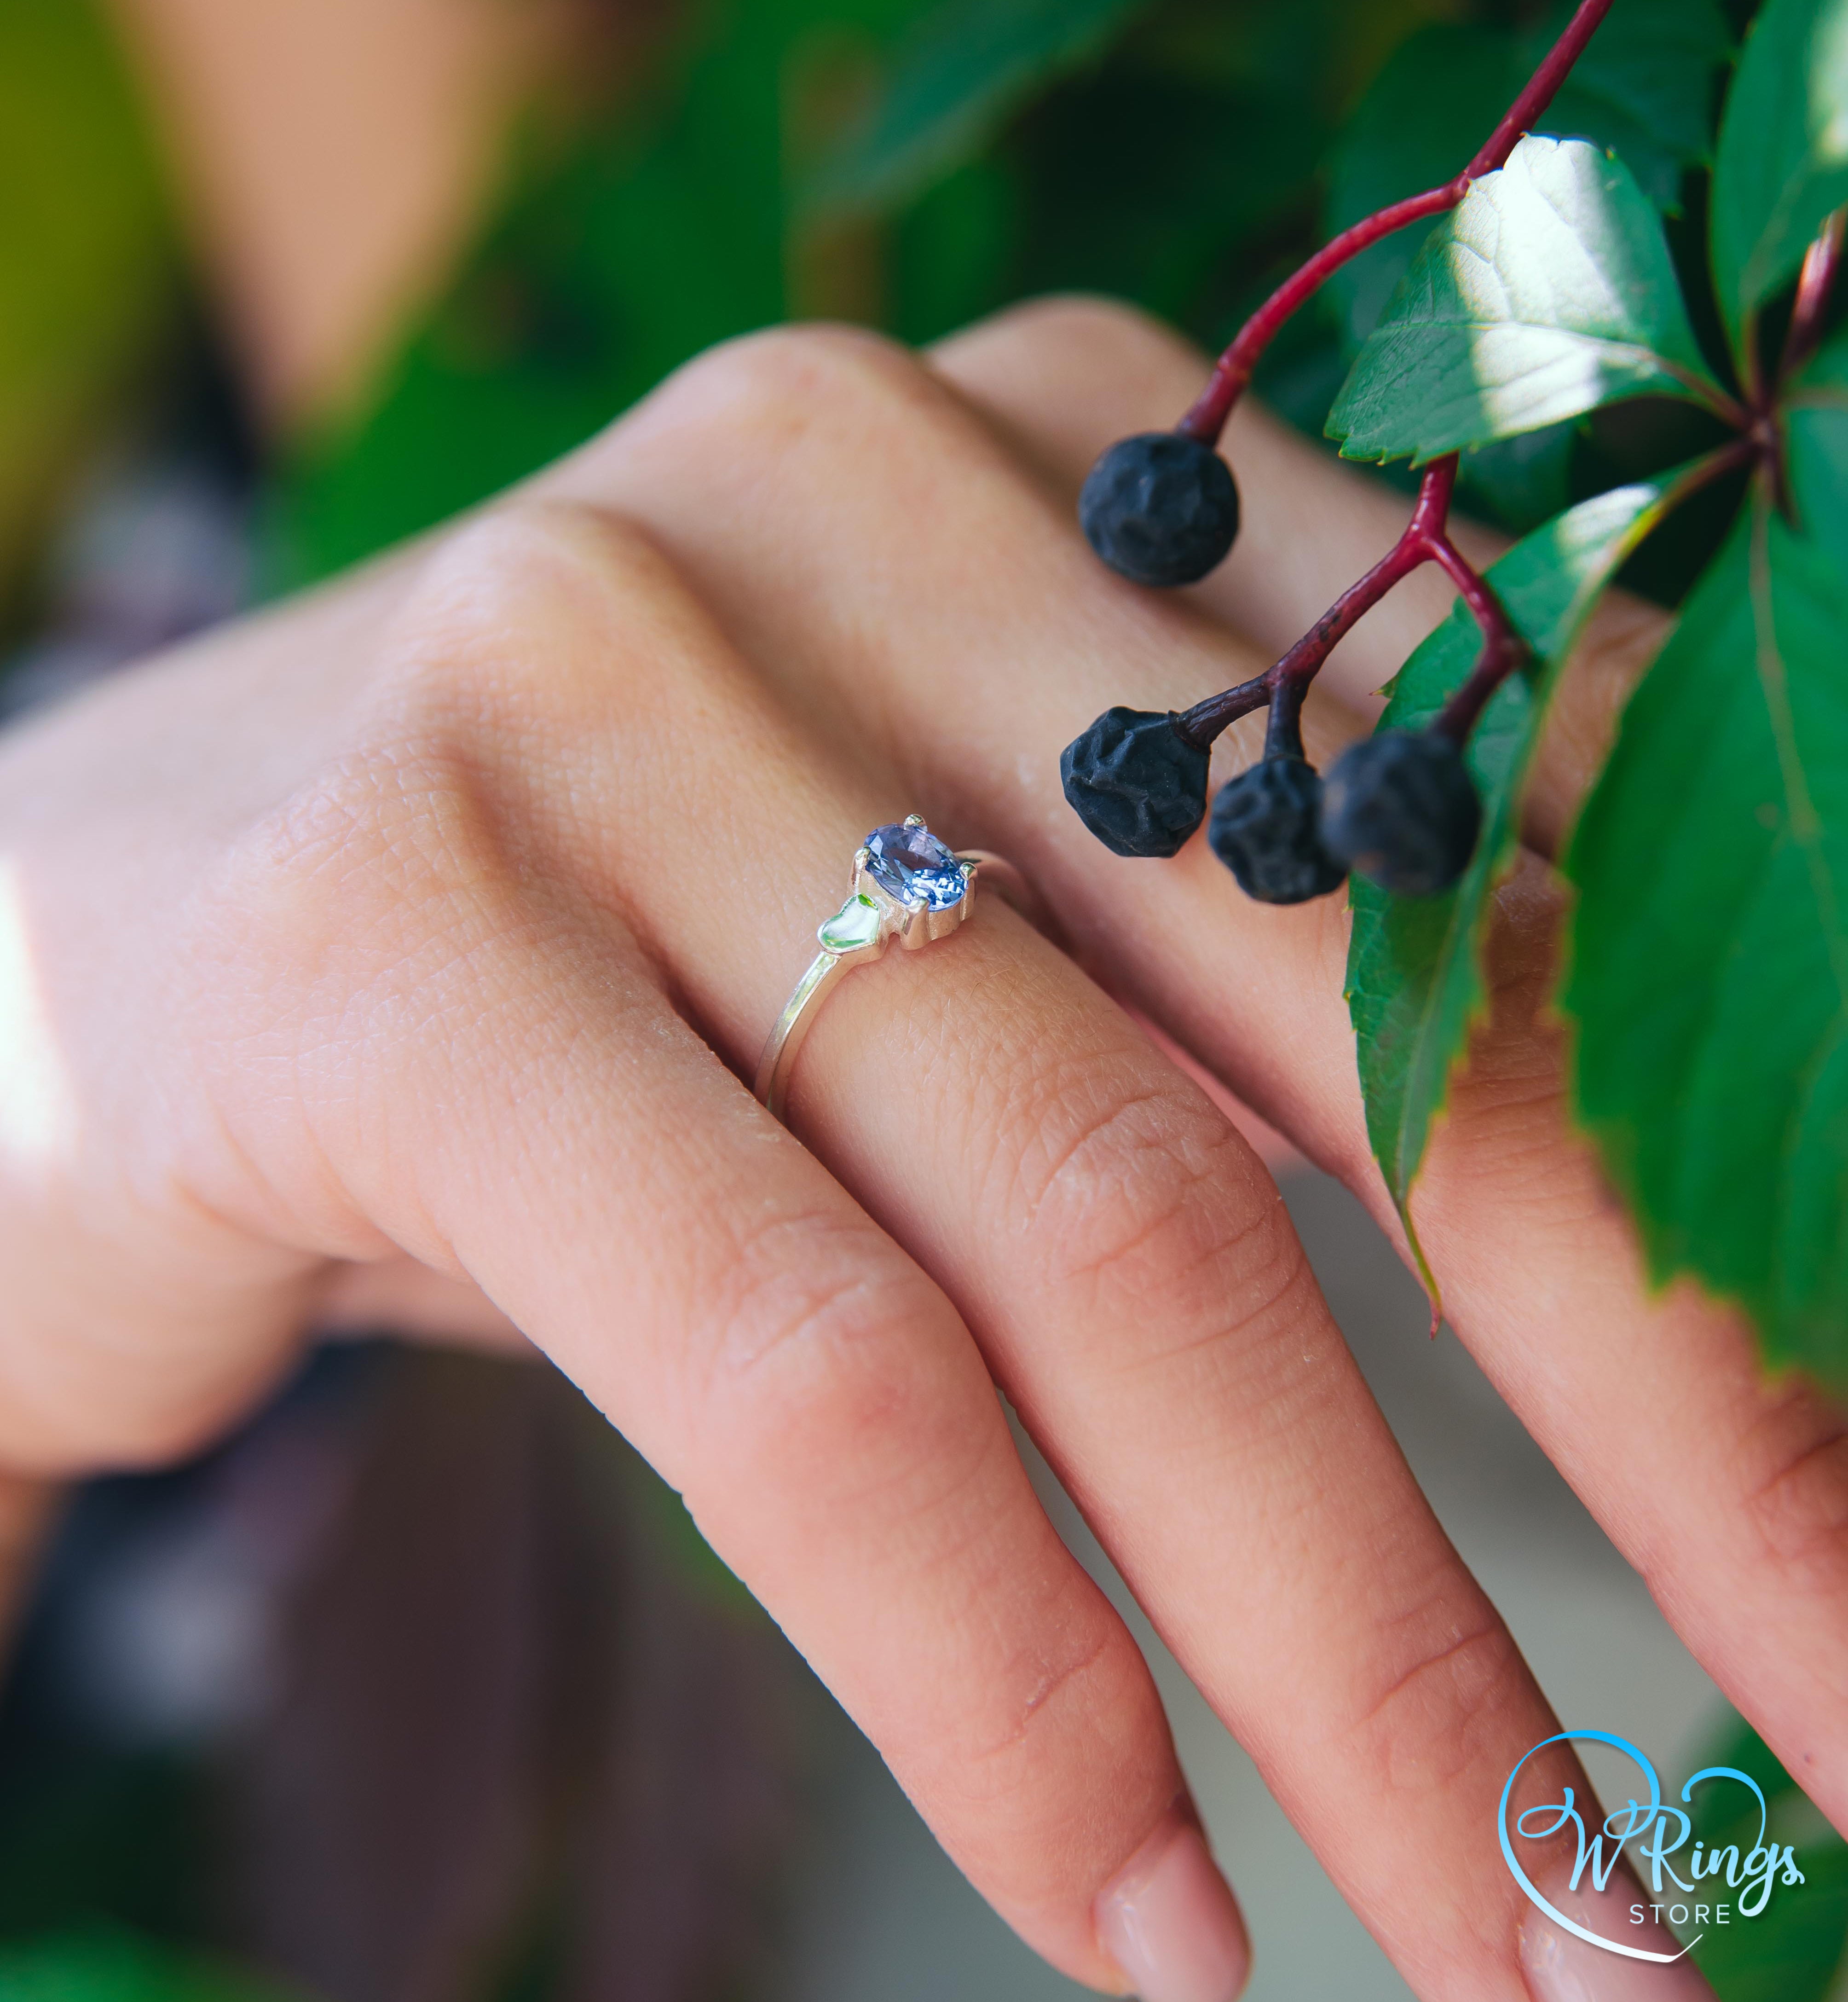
[907,886]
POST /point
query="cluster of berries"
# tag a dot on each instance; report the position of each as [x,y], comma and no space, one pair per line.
[1398,807]
[1162,508]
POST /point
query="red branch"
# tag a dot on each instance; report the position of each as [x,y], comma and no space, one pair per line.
[1427,536]
[1426,539]
[1232,374]
[1821,262]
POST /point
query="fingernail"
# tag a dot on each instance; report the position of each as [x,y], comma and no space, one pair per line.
[1561,1967]
[1170,1923]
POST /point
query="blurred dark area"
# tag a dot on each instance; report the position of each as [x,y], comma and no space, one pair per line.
[412,1690]
[422,1688]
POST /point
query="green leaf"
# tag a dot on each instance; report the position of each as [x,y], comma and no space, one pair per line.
[953,251]
[1643,88]
[1783,160]
[1548,292]
[1816,427]
[1709,962]
[1420,124]
[1794,1950]
[1414,978]
[954,80]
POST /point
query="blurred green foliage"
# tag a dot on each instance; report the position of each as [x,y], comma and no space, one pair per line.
[88,263]
[913,166]
[953,79]
[111,1965]
[867,159]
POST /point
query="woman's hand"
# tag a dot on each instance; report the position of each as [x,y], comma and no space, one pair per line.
[427,927]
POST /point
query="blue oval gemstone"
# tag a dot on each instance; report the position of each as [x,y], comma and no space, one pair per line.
[912,865]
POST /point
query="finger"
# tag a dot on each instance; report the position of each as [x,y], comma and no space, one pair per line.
[401,1296]
[1746,1546]
[515,1097]
[1264,1140]
[1141,1298]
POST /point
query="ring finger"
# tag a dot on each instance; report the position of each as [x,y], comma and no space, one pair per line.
[1132,1276]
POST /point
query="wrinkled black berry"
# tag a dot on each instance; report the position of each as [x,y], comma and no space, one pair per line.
[1159,508]
[1136,782]
[1266,828]
[1399,808]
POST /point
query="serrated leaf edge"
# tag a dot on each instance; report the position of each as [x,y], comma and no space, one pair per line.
[1664,1265]
[1400,1180]
[1696,382]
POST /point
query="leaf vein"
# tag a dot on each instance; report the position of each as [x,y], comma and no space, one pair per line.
[1805,822]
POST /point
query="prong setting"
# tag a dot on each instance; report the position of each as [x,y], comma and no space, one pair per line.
[907,886]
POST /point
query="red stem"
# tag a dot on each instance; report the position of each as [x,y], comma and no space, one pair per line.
[1232,374]
[1821,262]
[1502,653]
[1426,539]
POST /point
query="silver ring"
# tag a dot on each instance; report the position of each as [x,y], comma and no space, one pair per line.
[908,886]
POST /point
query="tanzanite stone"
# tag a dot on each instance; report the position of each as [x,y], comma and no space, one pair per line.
[912,865]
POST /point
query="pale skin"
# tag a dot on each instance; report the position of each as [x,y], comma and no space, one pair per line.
[412,942]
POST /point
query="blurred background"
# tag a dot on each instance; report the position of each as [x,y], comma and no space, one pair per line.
[422,1689]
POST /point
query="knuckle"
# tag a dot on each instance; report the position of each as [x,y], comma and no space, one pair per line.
[809,1328]
[1134,1188]
[439,825]
[1796,1496]
[381,912]
[515,712]
[827,1372]
[770,390]
[1080,1682]
[364,853]
[1110,331]
[1445,1696]
[1082,1673]
[522,617]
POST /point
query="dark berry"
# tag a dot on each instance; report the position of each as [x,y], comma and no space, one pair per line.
[1160,507]
[1399,808]
[1266,828]
[1136,782]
